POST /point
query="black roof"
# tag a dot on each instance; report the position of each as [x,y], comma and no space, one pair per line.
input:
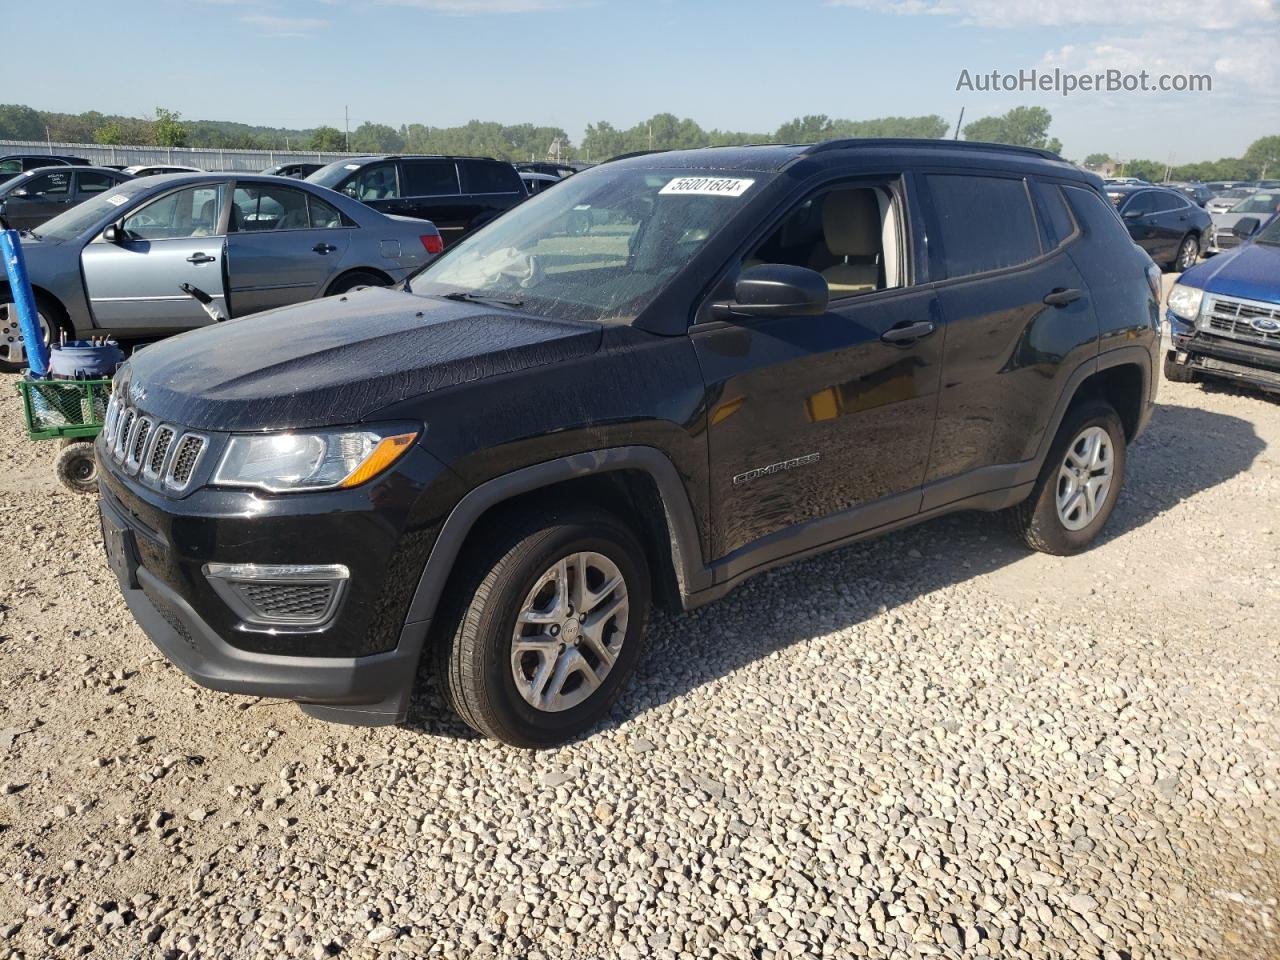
[370,158]
[772,157]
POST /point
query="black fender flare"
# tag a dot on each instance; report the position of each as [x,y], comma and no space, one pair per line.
[686,544]
[1139,356]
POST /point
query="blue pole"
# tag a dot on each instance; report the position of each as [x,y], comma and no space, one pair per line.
[23,301]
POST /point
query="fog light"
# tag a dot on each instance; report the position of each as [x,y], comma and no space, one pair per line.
[280,595]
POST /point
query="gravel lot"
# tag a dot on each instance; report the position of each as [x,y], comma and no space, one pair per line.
[934,744]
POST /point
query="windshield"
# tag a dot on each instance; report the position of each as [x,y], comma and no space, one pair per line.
[601,245]
[1233,194]
[1269,233]
[73,223]
[1258,203]
[334,173]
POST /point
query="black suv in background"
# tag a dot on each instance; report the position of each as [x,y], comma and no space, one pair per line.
[664,376]
[16,163]
[457,194]
[1168,225]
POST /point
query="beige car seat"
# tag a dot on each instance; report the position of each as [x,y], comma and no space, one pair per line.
[851,227]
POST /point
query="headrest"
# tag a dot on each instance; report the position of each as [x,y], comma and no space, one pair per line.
[851,223]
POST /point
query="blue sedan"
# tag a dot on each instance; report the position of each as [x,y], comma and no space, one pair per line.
[1224,315]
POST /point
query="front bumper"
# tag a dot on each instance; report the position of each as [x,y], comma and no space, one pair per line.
[359,668]
[1225,358]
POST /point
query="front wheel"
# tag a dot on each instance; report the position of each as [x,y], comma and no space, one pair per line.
[551,625]
[1078,485]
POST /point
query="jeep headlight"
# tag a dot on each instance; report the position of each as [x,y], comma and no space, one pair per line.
[311,460]
[1185,301]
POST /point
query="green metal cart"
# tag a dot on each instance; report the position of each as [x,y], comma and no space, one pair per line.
[72,412]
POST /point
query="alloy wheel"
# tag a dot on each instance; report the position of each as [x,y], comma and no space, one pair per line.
[569,631]
[12,348]
[1084,479]
[1187,254]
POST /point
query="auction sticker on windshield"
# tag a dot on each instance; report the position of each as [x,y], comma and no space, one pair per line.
[707,186]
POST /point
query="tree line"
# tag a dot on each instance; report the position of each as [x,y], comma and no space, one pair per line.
[1021,126]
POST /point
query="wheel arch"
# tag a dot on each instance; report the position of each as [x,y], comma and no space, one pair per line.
[386,277]
[636,479]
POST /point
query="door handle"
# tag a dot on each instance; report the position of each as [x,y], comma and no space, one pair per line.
[1061,296]
[200,258]
[908,333]
[323,248]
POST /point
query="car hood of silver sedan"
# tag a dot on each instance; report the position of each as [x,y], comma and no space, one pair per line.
[337,360]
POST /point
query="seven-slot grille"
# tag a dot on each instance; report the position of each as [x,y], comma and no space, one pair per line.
[1234,318]
[163,453]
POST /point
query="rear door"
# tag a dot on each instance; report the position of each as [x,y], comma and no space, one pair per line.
[1139,215]
[432,191]
[493,186]
[170,240]
[45,196]
[283,246]
[1171,218]
[1019,322]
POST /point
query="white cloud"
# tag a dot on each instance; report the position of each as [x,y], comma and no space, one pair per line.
[1234,41]
[285,26]
[462,8]
[1206,15]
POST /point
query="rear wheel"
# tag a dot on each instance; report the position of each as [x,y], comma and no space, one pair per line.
[551,624]
[1177,372]
[1188,250]
[77,468]
[13,351]
[357,278]
[1078,485]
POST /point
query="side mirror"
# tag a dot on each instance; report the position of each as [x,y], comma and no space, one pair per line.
[1245,227]
[113,234]
[1131,214]
[20,192]
[776,290]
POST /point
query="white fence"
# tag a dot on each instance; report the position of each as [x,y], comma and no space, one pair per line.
[205,158]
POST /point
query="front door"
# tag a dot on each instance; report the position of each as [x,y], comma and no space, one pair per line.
[283,247]
[44,196]
[136,283]
[809,417]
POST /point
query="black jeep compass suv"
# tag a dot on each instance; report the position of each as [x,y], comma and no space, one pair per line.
[668,374]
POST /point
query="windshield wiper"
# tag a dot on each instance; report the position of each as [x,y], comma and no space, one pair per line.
[468,296]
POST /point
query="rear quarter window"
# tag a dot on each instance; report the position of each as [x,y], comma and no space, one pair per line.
[986,223]
[1098,217]
[1058,226]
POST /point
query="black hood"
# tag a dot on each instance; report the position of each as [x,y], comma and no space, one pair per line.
[338,360]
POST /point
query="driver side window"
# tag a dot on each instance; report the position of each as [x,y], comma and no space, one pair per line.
[375,182]
[194,212]
[850,235]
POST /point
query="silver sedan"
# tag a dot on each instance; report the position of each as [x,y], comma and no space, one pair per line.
[119,263]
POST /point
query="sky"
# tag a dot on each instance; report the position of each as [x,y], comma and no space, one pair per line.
[744,65]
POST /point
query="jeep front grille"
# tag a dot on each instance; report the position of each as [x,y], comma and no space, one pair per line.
[184,461]
[162,454]
[1235,318]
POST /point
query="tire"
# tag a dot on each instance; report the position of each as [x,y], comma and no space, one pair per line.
[76,467]
[1188,252]
[356,278]
[13,355]
[1038,520]
[1177,372]
[505,575]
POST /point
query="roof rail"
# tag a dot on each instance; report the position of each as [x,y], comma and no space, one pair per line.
[846,142]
